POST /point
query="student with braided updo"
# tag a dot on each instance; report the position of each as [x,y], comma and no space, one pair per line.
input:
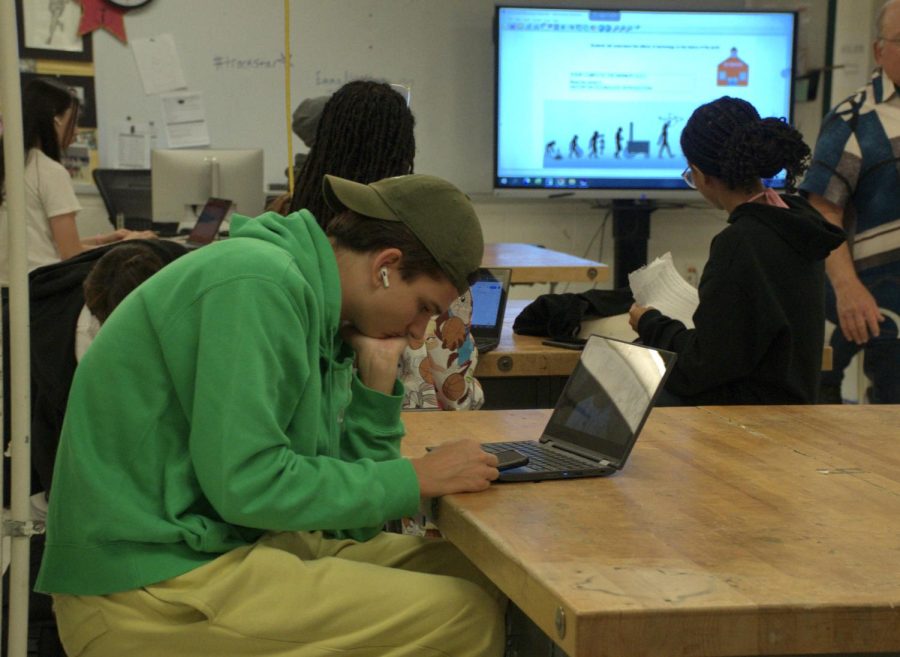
[364,133]
[759,327]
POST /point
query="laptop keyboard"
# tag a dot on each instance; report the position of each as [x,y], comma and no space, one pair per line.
[542,458]
[486,344]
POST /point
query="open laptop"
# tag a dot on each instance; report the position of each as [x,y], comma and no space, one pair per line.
[214,212]
[598,416]
[489,292]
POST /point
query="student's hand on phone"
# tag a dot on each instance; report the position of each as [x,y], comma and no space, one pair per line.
[376,358]
[457,467]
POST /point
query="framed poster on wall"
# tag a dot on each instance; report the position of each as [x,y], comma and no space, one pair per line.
[48,29]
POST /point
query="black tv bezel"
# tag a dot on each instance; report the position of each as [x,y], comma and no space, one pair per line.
[679,192]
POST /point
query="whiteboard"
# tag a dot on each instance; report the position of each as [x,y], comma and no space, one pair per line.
[232,52]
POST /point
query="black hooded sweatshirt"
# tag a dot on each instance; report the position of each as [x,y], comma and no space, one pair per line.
[759,327]
[56,299]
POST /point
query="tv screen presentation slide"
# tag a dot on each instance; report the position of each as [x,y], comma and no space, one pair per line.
[598,99]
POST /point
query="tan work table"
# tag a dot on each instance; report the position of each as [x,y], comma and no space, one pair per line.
[769,530]
[534,264]
[524,355]
[521,372]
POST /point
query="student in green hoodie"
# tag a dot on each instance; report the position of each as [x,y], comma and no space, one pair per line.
[231,447]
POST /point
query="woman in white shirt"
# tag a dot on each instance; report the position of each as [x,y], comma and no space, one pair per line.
[49,116]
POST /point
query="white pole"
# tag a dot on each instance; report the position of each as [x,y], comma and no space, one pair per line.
[20,403]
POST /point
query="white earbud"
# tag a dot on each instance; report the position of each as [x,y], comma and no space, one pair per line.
[384,277]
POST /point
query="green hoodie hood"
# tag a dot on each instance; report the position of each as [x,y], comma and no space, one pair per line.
[299,235]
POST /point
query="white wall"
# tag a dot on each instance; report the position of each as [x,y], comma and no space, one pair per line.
[573,227]
[570,226]
[443,50]
[853,56]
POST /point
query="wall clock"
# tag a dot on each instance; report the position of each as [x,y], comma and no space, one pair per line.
[129,4]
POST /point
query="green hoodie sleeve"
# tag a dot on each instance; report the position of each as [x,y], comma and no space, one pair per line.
[372,429]
[249,390]
[372,426]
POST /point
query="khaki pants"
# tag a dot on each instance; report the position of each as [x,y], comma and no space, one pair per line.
[300,595]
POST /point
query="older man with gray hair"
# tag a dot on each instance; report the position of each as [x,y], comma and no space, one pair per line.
[854,181]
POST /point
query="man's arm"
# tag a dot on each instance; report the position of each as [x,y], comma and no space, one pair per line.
[857,309]
[458,467]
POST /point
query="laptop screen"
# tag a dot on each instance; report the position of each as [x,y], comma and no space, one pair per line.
[609,396]
[211,217]
[489,293]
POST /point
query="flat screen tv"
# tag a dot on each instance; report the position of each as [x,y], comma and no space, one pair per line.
[593,102]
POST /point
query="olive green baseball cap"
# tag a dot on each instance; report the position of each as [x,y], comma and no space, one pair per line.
[436,212]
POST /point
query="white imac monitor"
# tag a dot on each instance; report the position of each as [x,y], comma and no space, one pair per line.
[183,180]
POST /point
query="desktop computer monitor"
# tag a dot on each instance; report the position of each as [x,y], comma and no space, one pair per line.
[183,180]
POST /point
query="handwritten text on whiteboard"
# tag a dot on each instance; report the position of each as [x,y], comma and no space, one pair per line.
[229,63]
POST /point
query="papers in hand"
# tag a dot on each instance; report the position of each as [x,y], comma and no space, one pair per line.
[659,284]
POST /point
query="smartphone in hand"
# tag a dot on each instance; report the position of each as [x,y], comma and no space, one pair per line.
[510,458]
[507,459]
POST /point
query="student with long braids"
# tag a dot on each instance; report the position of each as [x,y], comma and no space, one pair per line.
[365,133]
[759,327]
[49,116]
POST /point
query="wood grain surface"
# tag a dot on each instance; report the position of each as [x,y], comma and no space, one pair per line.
[534,264]
[731,531]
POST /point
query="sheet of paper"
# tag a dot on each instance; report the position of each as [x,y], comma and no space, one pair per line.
[659,284]
[132,146]
[184,115]
[158,64]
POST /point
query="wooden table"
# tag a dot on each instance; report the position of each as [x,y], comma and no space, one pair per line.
[534,264]
[770,530]
[524,355]
[521,372]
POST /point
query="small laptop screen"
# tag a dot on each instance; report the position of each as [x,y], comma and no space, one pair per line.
[211,217]
[608,396]
[489,300]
